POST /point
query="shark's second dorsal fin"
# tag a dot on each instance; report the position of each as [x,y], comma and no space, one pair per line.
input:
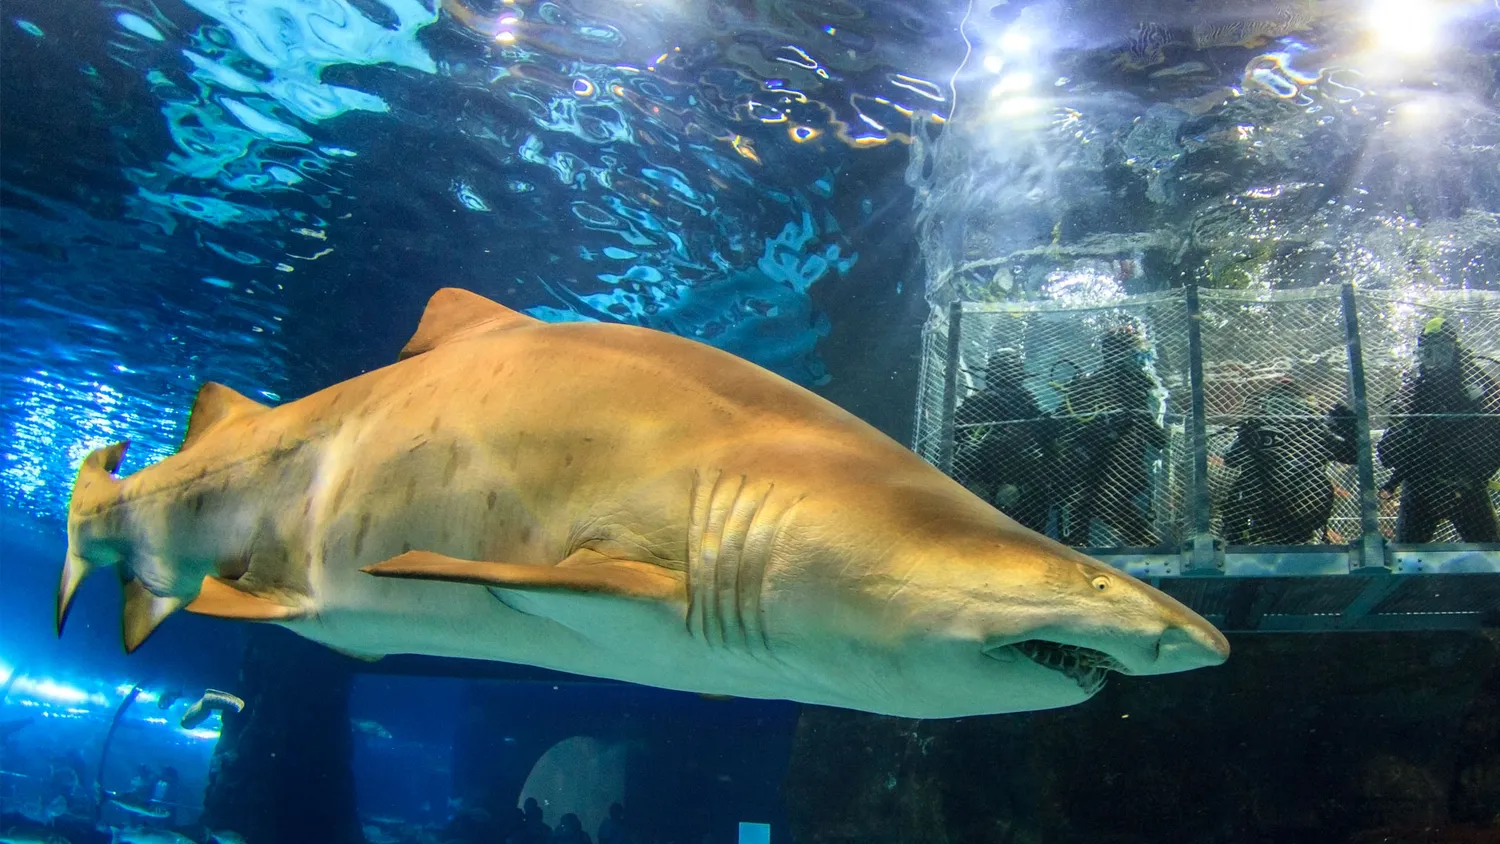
[453,313]
[216,403]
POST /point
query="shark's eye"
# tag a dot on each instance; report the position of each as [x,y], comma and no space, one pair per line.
[1100,582]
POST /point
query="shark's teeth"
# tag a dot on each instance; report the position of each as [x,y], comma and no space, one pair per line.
[1085,666]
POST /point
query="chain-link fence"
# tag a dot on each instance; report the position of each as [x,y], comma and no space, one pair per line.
[1068,419]
[1280,428]
[1432,363]
[1078,421]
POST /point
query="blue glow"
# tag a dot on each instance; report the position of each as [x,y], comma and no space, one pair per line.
[48,691]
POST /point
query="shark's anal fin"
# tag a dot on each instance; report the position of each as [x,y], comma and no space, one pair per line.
[453,313]
[214,405]
[613,579]
[218,598]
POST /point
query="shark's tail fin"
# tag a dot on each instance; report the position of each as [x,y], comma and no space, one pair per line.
[93,492]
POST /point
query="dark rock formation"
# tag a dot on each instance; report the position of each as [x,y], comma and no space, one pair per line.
[1380,737]
[281,771]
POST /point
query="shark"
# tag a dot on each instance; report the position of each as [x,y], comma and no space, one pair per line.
[616,502]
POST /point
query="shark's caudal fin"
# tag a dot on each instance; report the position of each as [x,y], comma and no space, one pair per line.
[93,521]
[215,405]
[95,489]
[452,313]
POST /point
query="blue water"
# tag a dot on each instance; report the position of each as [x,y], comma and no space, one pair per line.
[264,192]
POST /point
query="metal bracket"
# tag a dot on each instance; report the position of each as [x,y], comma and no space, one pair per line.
[1203,555]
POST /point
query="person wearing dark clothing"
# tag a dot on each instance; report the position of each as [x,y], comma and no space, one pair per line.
[1282,494]
[533,829]
[512,824]
[1003,443]
[570,831]
[1443,444]
[614,830]
[1110,433]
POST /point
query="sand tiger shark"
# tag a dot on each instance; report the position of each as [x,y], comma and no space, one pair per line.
[617,502]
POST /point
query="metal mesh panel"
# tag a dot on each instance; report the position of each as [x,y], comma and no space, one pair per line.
[1443,593]
[1070,420]
[928,425]
[1431,370]
[1206,596]
[1281,436]
[1314,596]
[1074,419]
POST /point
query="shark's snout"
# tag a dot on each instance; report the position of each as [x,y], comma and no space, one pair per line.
[1184,647]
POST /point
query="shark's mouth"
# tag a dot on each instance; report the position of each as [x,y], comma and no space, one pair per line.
[1085,666]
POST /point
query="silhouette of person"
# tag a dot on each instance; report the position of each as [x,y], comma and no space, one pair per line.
[1109,432]
[1003,443]
[1443,446]
[570,831]
[613,829]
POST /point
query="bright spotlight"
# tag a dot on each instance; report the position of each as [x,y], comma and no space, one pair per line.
[1012,83]
[1406,27]
[1015,42]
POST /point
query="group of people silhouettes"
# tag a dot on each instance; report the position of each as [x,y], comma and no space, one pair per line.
[1091,461]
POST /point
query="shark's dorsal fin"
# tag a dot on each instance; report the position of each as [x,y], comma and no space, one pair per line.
[216,404]
[618,580]
[218,598]
[453,313]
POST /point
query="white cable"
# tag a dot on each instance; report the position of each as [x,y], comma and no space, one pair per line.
[968,50]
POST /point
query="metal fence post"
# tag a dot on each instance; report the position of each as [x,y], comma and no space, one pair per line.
[950,388]
[1202,551]
[1367,552]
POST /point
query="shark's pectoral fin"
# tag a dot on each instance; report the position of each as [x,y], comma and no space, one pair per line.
[611,579]
[219,598]
[144,612]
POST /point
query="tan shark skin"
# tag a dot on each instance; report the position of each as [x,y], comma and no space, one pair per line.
[719,530]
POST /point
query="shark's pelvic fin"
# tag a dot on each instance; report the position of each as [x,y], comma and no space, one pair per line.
[620,580]
[362,656]
[218,598]
[95,487]
[215,404]
[144,612]
[453,313]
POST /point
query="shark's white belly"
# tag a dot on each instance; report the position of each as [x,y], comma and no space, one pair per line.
[369,615]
